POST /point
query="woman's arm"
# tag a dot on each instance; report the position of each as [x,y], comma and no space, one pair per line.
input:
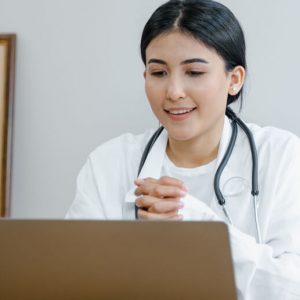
[86,204]
[263,271]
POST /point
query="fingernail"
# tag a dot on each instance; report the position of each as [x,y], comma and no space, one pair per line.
[182,193]
[184,188]
[138,181]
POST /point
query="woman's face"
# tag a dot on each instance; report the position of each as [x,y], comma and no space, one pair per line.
[187,86]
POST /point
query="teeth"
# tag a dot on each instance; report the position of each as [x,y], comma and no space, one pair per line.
[179,112]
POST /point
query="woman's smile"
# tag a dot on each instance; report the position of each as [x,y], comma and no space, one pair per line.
[180,113]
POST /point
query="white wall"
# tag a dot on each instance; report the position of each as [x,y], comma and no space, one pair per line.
[79,82]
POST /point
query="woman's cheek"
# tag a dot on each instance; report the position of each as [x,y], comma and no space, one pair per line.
[154,92]
[153,99]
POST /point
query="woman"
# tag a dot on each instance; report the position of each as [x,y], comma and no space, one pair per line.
[195,66]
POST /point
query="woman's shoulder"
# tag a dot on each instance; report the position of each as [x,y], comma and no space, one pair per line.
[274,138]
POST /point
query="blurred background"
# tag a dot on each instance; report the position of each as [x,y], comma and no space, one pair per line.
[79,83]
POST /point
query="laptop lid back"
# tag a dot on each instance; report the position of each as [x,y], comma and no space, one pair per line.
[115,260]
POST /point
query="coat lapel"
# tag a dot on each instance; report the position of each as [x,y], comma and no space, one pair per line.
[152,168]
[153,164]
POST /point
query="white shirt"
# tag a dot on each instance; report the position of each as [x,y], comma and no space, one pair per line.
[270,270]
[199,180]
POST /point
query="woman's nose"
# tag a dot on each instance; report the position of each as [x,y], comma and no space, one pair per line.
[175,89]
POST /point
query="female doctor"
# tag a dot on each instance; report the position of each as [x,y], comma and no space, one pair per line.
[195,66]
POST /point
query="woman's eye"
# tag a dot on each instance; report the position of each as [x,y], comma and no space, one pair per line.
[195,73]
[159,73]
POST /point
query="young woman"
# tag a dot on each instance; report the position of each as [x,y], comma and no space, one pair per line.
[195,66]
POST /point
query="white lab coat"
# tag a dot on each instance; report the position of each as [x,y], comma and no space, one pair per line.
[263,271]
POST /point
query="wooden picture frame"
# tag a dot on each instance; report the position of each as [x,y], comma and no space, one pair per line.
[7,78]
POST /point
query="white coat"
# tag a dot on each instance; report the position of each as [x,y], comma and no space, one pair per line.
[270,270]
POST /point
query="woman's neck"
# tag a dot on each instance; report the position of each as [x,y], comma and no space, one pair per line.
[195,152]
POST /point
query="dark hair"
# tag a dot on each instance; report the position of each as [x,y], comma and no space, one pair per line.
[208,21]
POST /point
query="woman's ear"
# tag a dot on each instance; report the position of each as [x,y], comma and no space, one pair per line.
[144,74]
[237,79]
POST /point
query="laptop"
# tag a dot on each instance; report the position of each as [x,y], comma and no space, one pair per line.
[53,259]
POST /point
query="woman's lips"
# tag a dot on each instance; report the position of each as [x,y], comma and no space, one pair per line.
[180,113]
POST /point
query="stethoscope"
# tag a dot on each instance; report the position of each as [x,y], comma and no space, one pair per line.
[235,121]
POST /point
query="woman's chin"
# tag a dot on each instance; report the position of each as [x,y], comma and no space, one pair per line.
[180,135]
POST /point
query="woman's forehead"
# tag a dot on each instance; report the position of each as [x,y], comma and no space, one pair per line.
[180,46]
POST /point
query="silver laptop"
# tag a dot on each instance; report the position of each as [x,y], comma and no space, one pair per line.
[115,260]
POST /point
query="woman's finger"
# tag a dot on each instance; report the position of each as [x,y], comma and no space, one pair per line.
[155,205]
[140,181]
[166,180]
[144,215]
[144,189]
[176,218]
[159,190]
[162,207]
[167,191]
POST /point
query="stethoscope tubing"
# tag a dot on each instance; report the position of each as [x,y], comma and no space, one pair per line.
[221,200]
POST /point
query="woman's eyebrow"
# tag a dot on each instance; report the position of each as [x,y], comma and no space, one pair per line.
[156,61]
[185,62]
[194,60]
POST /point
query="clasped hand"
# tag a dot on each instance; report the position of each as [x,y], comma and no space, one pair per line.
[159,199]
